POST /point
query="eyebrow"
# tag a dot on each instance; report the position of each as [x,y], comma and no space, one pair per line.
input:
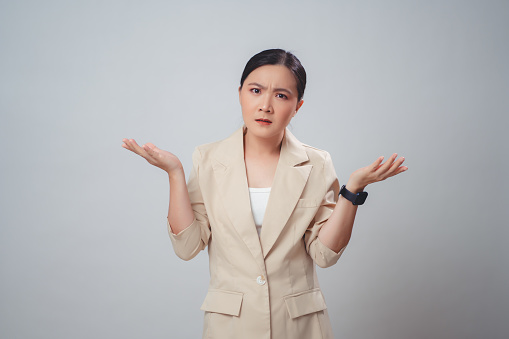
[275,89]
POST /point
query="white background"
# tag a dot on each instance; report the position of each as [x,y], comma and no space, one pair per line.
[84,249]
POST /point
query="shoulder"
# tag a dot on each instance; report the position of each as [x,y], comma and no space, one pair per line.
[322,160]
[316,155]
[208,147]
[203,153]
[313,155]
[211,147]
[219,151]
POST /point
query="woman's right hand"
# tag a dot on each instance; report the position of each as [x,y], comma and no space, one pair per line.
[163,159]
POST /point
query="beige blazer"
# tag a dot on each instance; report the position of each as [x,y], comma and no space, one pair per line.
[261,287]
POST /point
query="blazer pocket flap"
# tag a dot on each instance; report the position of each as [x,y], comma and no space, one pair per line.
[306,302]
[221,301]
[308,203]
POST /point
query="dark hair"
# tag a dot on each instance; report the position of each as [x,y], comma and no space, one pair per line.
[278,57]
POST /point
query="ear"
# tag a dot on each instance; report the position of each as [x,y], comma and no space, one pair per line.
[299,105]
[240,89]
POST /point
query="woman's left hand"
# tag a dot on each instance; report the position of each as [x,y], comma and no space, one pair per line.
[375,172]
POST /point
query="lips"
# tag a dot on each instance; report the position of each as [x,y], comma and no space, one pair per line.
[264,120]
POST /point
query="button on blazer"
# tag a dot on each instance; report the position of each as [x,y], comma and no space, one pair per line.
[261,287]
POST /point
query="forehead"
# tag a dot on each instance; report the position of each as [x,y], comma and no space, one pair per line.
[273,75]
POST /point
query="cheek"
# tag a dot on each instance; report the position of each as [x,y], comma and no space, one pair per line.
[287,109]
[246,103]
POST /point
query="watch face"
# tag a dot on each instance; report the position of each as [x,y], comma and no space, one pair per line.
[360,198]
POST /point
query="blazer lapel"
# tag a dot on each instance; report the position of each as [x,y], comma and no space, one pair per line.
[289,181]
[230,174]
[287,187]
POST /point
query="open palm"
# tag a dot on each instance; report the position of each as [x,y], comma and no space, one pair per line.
[160,158]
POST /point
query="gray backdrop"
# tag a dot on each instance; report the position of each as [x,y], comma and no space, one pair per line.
[84,250]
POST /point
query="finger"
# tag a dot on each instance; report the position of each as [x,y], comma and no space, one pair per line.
[397,168]
[396,164]
[134,145]
[137,149]
[151,150]
[402,169]
[398,171]
[375,165]
[124,142]
[127,145]
[387,165]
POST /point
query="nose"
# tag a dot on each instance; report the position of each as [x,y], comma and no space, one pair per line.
[266,104]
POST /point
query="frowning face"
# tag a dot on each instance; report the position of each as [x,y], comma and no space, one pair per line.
[268,98]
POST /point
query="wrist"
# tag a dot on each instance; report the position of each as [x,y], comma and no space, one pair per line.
[356,198]
[354,187]
[175,173]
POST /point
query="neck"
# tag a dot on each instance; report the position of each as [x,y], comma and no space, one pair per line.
[262,146]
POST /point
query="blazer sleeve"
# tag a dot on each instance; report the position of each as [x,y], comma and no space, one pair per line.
[195,237]
[321,254]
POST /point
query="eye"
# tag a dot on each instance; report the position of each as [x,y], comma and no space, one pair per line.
[255,90]
[281,96]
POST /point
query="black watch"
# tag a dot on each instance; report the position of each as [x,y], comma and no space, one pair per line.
[355,198]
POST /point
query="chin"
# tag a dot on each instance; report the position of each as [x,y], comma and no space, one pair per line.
[264,131]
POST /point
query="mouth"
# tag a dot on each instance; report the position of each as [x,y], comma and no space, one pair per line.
[265,121]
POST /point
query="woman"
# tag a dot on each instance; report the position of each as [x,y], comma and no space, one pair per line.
[268,207]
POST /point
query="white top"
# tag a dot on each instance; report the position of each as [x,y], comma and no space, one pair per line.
[259,198]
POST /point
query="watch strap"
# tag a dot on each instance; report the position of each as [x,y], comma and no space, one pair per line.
[354,198]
